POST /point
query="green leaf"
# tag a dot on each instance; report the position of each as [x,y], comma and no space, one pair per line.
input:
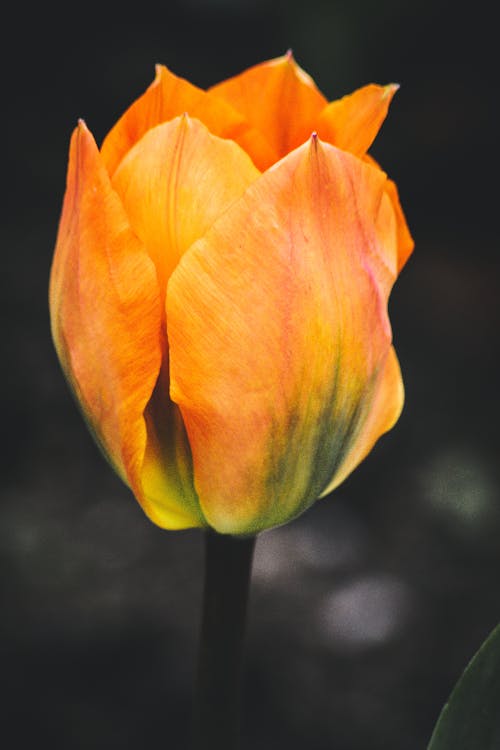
[471,718]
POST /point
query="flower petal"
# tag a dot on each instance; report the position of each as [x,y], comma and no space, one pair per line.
[167,469]
[106,316]
[404,239]
[278,98]
[352,123]
[278,331]
[175,182]
[170,96]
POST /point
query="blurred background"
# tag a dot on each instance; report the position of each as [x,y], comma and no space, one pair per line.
[365,610]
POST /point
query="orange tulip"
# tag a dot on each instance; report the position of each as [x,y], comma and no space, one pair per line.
[219,294]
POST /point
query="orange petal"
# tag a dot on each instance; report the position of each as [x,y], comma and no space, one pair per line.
[352,123]
[167,469]
[175,182]
[404,238]
[278,330]
[170,96]
[106,315]
[278,98]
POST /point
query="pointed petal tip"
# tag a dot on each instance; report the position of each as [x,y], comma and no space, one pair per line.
[162,74]
[81,127]
[389,90]
[82,136]
[160,68]
[352,122]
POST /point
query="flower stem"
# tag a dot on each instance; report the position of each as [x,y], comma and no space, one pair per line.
[228,563]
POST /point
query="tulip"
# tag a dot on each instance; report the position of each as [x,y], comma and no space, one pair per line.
[219,293]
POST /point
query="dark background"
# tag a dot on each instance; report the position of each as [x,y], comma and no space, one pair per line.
[365,610]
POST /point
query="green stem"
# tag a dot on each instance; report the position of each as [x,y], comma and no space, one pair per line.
[228,564]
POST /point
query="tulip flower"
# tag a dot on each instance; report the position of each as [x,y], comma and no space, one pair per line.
[219,294]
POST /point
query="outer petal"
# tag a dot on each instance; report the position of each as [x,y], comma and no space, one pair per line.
[352,123]
[168,97]
[278,333]
[106,313]
[175,182]
[278,98]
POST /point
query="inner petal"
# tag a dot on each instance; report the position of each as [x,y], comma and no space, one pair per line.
[278,98]
[352,123]
[175,182]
